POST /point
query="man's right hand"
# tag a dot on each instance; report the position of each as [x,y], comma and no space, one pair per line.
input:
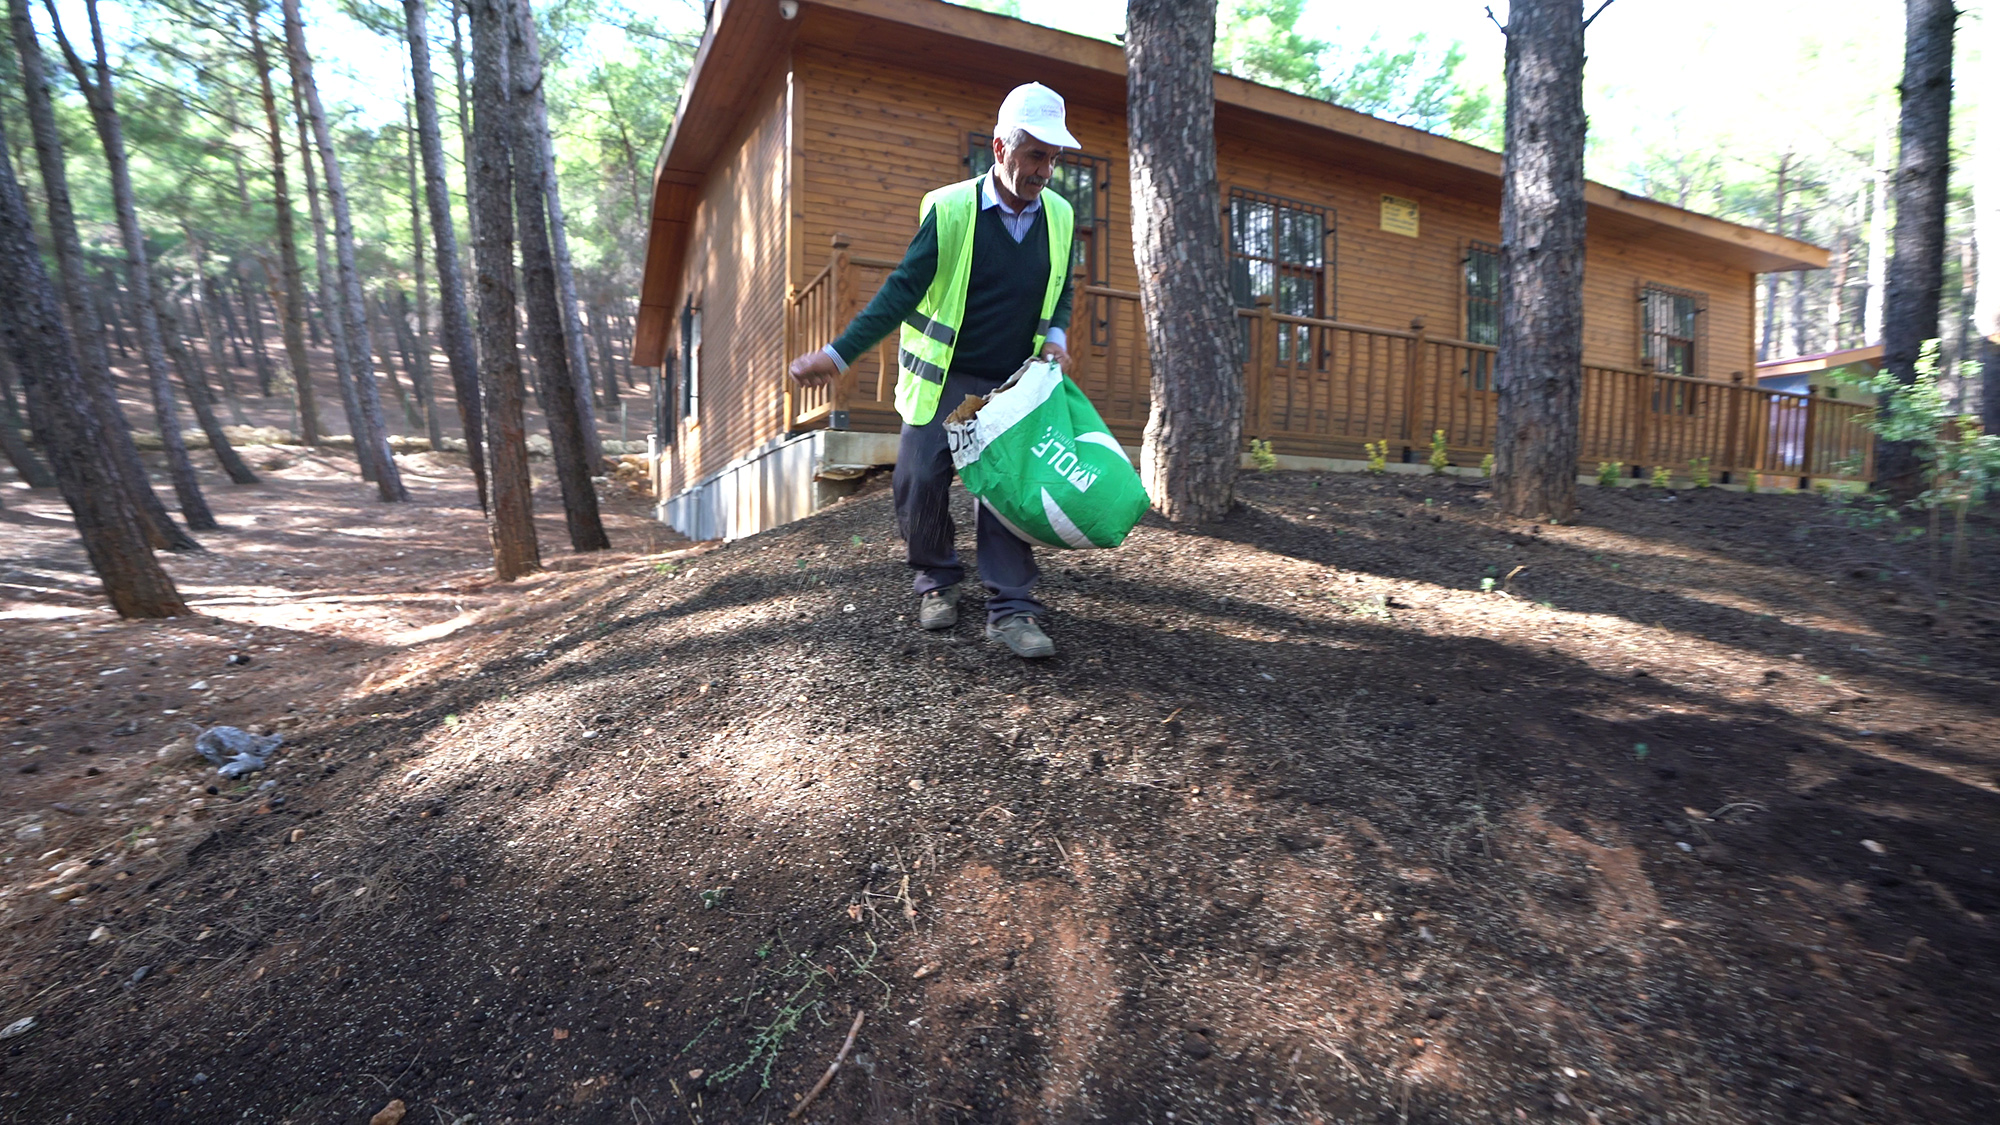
[814,369]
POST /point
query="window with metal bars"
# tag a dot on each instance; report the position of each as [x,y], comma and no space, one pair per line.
[1671,324]
[1482,310]
[1278,249]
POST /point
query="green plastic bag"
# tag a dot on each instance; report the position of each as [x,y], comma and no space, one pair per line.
[1039,456]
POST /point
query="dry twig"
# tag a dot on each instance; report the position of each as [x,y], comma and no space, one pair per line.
[831,1070]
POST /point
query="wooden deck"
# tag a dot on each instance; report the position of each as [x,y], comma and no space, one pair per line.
[1324,388]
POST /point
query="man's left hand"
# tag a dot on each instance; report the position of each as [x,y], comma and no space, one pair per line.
[1056,353]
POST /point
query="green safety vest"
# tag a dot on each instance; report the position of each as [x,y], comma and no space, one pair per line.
[930,335]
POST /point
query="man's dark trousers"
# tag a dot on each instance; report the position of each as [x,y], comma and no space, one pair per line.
[923,513]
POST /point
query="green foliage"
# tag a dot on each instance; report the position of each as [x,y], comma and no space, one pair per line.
[1661,477]
[1750,483]
[1961,463]
[1607,473]
[1440,459]
[1486,465]
[1698,472]
[1378,456]
[1261,455]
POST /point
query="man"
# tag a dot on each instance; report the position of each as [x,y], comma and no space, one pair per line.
[984,287]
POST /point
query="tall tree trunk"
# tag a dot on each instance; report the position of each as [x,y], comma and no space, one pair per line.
[569,442]
[1539,368]
[1986,222]
[351,305]
[68,424]
[525,63]
[417,359]
[383,334]
[292,309]
[1800,342]
[99,96]
[1878,239]
[1916,269]
[108,304]
[253,323]
[454,323]
[213,300]
[607,360]
[130,471]
[324,301]
[204,315]
[1194,434]
[464,107]
[200,396]
[512,523]
[1771,338]
[13,431]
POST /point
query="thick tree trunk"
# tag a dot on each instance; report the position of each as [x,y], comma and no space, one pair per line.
[607,360]
[525,63]
[515,551]
[454,323]
[561,394]
[292,308]
[201,398]
[1539,368]
[1916,268]
[1986,223]
[123,456]
[67,421]
[1195,431]
[14,430]
[99,96]
[351,306]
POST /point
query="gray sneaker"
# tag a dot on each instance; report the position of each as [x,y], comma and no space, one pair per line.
[939,609]
[1023,634]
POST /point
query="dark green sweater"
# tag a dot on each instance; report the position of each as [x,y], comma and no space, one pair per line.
[1003,301]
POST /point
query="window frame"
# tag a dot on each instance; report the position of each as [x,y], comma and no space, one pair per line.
[1478,373]
[1654,344]
[1297,339]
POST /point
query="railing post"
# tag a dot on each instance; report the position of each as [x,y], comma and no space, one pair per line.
[1642,415]
[1256,409]
[1413,389]
[1809,443]
[1733,419]
[843,304]
[788,406]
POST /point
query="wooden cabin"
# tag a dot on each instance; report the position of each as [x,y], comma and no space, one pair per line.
[1363,256]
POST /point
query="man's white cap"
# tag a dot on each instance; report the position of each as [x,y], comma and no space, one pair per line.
[1037,109]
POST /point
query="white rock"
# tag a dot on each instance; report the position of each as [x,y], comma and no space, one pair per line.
[28,832]
[198,685]
[20,1026]
[101,933]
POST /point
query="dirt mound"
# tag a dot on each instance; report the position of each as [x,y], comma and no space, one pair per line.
[1690,815]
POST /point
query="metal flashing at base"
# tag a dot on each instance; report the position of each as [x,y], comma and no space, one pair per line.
[787,478]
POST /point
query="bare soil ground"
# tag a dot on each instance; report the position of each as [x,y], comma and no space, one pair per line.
[1694,817]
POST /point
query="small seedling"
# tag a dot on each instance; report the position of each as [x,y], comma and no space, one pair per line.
[1261,455]
[714,897]
[1698,472]
[764,951]
[1639,751]
[451,720]
[855,540]
[1440,460]
[1662,478]
[1486,465]
[666,567]
[1378,456]
[1607,473]
[1486,585]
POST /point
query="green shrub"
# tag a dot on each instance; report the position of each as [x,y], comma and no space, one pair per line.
[1607,473]
[1378,456]
[1440,460]
[1698,472]
[1662,478]
[1486,465]
[1261,455]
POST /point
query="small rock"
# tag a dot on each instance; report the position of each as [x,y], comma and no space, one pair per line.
[1872,846]
[198,685]
[1196,1045]
[694,1074]
[20,1026]
[101,933]
[239,658]
[927,970]
[198,1079]
[298,834]
[68,891]
[391,1114]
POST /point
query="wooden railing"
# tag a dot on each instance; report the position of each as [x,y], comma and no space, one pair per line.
[1326,388]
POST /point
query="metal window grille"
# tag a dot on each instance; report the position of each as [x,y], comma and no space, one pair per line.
[1671,329]
[1278,249]
[1482,310]
[1085,181]
[690,362]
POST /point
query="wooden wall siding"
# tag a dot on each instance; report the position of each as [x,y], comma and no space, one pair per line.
[735,270]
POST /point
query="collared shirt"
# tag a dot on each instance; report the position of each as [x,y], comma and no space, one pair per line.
[1019,224]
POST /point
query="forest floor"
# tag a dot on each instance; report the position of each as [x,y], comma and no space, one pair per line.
[1693,817]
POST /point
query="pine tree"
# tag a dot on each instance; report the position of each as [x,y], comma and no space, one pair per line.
[292,306]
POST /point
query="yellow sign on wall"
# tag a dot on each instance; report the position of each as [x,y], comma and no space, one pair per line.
[1399,215]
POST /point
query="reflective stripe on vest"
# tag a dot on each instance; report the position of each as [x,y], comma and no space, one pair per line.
[930,335]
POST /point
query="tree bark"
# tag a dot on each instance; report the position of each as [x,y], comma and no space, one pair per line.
[13,431]
[68,423]
[1539,368]
[515,551]
[561,394]
[1194,434]
[383,334]
[1916,267]
[525,63]
[1986,223]
[1771,337]
[292,309]
[130,471]
[415,344]
[418,361]
[454,323]
[253,324]
[351,306]
[201,397]
[109,304]
[336,333]
[99,96]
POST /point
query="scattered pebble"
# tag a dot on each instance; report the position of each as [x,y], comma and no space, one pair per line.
[20,1026]
[1874,847]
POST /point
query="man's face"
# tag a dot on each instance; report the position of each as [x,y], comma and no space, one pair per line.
[1025,171]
